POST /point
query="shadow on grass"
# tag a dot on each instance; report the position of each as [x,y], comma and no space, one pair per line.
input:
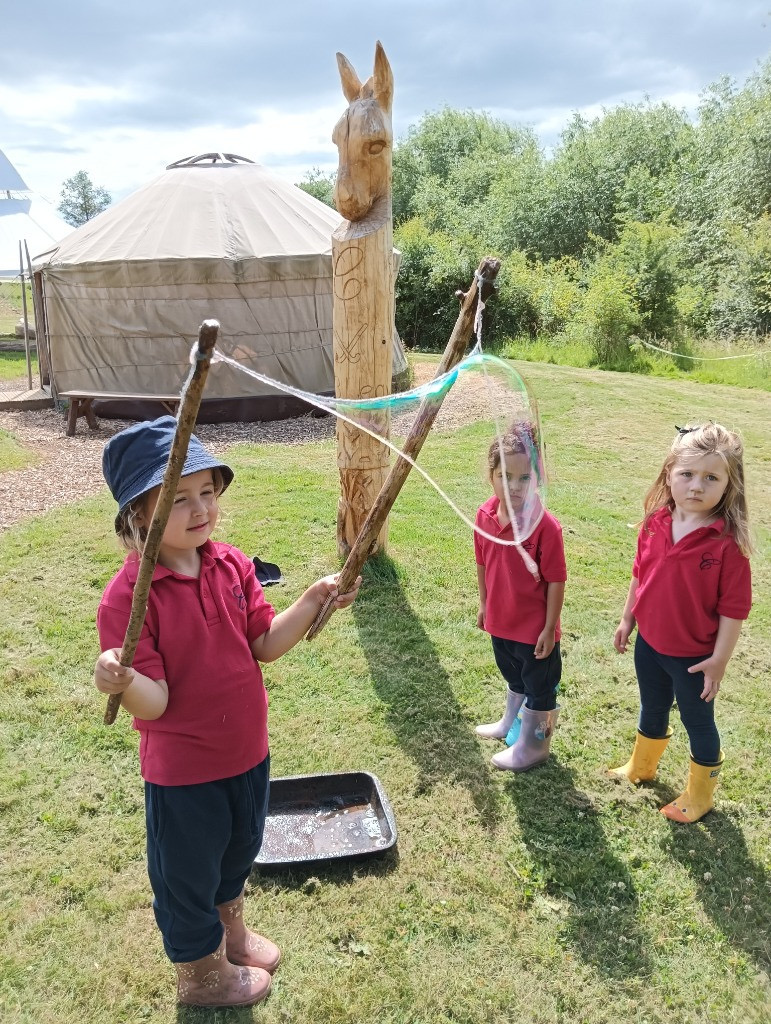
[574,864]
[735,891]
[412,683]
[313,874]
[232,1015]
[221,1015]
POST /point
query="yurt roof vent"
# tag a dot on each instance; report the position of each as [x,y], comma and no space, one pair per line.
[210,160]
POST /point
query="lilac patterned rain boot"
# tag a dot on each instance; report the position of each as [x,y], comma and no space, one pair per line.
[534,741]
[497,730]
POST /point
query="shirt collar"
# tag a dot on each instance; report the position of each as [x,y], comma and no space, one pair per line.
[490,507]
[490,510]
[718,526]
[209,554]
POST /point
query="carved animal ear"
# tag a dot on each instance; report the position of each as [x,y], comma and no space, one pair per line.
[349,78]
[384,79]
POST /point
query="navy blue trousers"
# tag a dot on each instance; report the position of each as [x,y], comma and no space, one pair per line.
[664,679]
[537,678]
[201,845]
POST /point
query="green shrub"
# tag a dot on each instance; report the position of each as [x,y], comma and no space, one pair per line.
[515,309]
[646,253]
[433,266]
[609,316]
[742,300]
[559,294]
[694,305]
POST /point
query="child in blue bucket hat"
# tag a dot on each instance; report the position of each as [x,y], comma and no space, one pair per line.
[196,694]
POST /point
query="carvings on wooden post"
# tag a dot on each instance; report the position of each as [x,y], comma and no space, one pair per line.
[363,300]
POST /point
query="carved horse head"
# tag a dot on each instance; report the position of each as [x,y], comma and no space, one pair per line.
[364,138]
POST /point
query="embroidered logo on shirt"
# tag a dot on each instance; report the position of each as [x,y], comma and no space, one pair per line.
[707,561]
[238,595]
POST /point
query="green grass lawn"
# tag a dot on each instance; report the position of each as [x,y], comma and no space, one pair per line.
[554,896]
[14,455]
[11,306]
[13,365]
[742,364]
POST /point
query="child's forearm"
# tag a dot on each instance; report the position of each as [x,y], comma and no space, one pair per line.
[290,626]
[146,698]
[631,597]
[555,597]
[482,585]
[714,666]
[728,632]
[626,625]
[287,628]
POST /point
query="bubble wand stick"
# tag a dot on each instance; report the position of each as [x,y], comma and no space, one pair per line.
[481,287]
[190,403]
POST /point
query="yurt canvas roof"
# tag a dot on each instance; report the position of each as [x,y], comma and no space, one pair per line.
[213,237]
[232,211]
[24,217]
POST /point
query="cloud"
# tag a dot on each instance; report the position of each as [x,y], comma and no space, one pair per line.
[121,90]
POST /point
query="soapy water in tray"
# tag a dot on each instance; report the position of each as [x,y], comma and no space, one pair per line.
[335,827]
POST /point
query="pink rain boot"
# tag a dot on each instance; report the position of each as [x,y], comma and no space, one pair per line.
[244,947]
[214,982]
[534,741]
[498,730]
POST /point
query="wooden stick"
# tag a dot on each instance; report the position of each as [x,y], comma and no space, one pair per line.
[190,398]
[453,353]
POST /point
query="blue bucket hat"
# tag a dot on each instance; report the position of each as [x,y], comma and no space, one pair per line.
[134,461]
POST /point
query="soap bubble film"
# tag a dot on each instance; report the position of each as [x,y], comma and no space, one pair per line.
[482,406]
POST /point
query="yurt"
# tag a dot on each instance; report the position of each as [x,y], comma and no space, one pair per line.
[24,217]
[214,237]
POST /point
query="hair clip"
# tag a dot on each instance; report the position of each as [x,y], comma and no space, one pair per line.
[684,430]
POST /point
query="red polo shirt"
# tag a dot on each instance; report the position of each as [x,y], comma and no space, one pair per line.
[684,588]
[516,602]
[196,636]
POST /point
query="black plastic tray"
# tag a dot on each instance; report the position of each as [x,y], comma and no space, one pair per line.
[326,817]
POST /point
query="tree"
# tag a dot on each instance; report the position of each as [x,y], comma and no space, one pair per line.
[449,163]
[319,185]
[81,200]
[620,166]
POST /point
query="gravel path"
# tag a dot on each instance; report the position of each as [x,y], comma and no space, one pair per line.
[69,468]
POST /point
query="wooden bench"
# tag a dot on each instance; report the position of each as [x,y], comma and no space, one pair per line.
[81,403]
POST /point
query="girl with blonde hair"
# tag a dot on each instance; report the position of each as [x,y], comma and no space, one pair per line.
[690,591]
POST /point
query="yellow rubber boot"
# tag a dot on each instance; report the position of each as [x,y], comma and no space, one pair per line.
[642,765]
[698,797]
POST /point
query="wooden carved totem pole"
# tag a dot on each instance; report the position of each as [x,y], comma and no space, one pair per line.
[363,283]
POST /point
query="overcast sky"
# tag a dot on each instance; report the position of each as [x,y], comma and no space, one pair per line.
[122,89]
